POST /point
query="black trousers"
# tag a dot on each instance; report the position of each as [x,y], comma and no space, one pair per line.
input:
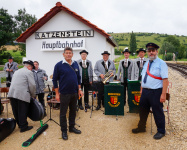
[125,84]
[86,98]
[151,98]
[8,79]
[20,111]
[41,99]
[100,94]
[68,100]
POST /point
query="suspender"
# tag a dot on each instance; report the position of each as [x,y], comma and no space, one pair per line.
[155,77]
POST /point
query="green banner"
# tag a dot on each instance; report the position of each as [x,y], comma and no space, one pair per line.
[134,96]
[114,99]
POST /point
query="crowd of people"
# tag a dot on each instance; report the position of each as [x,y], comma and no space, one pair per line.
[71,78]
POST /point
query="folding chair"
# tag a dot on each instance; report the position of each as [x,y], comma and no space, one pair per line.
[165,110]
[4,99]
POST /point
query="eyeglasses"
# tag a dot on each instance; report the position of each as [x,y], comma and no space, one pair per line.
[151,49]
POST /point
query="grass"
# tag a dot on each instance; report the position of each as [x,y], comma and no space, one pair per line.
[123,39]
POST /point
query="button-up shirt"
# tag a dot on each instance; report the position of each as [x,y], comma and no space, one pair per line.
[158,68]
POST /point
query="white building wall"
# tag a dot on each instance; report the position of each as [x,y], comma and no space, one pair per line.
[63,22]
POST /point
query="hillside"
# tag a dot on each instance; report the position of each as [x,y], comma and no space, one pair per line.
[142,39]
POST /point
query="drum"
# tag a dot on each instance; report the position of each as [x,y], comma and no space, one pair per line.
[36,110]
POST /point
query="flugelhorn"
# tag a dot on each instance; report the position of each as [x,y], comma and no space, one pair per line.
[51,76]
[107,76]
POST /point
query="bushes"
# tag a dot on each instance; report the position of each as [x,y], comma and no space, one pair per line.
[168,57]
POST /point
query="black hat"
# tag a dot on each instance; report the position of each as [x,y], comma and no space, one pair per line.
[141,49]
[10,57]
[153,45]
[105,52]
[30,62]
[83,51]
[126,50]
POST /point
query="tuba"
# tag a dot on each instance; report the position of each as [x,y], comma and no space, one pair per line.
[107,76]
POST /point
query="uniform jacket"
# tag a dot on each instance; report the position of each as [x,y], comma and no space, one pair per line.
[90,69]
[14,67]
[120,70]
[135,68]
[23,86]
[100,69]
[38,77]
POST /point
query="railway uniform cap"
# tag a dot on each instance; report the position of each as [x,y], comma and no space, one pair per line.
[141,49]
[153,45]
[30,62]
[126,50]
[105,52]
[83,51]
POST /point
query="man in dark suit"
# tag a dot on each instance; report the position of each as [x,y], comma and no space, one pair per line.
[10,67]
[86,73]
[101,68]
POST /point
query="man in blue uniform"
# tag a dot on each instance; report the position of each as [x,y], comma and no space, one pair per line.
[153,91]
[67,74]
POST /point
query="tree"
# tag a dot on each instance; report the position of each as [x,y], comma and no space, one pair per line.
[169,47]
[133,45]
[181,51]
[6,28]
[174,41]
[23,22]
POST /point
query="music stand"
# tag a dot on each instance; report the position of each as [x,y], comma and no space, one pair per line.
[94,88]
[51,102]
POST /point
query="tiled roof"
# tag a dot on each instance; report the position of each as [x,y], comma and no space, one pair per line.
[59,7]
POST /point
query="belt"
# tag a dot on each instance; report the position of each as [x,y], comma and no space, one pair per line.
[151,89]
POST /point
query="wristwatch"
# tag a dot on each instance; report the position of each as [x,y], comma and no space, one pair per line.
[80,89]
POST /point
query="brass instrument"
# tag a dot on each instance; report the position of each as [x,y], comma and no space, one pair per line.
[107,76]
[51,76]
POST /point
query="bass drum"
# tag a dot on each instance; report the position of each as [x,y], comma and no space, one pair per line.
[36,110]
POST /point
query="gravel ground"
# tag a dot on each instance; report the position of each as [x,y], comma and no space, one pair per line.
[105,132]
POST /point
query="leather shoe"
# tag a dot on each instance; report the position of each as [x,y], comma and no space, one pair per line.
[138,130]
[81,107]
[158,136]
[26,129]
[98,107]
[87,106]
[64,136]
[74,130]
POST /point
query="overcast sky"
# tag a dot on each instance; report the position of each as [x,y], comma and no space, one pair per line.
[158,16]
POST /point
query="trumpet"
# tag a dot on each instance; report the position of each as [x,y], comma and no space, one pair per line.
[107,76]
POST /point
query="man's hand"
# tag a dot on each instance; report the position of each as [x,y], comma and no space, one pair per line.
[90,82]
[45,78]
[80,94]
[163,98]
[102,76]
[57,97]
[11,70]
[7,69]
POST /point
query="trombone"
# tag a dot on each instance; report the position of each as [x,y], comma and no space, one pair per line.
[107,76]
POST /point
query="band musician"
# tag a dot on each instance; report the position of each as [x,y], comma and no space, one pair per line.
[86,73]
[101,68]
[124,71]
[138,65]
